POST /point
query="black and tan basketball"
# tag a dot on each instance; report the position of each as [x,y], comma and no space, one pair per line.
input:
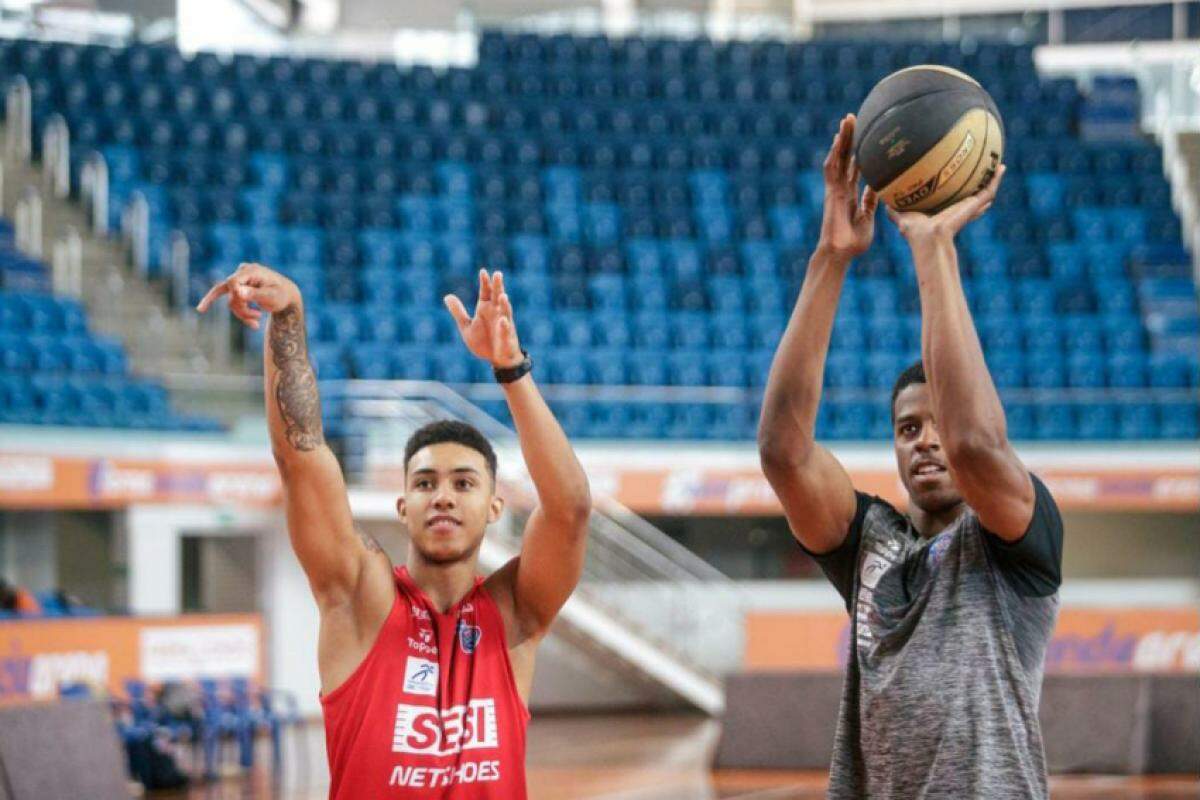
[928,136]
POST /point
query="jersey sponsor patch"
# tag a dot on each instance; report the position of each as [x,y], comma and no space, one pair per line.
[425,731]
[420,676]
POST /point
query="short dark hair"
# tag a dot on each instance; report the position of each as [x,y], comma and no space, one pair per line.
[914,374]
[450,430]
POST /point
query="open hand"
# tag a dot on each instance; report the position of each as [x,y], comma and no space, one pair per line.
[848,222]
[491,333]
[916,226]
[253,283]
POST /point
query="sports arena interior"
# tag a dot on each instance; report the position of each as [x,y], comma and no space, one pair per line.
[647,176]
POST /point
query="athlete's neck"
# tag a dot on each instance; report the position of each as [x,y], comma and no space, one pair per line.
[443,584]
[930,523]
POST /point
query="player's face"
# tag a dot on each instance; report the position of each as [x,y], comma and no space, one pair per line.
[919,456]
[449,500]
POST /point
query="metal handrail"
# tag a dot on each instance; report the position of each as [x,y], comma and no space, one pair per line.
[623,549]
[93,187]
[179,260]
[29,222]
[67,264]
[664,547]
[56,156]
[18,104]
[730,395]
[136,227]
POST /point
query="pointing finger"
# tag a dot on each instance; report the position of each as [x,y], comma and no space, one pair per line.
[213,293]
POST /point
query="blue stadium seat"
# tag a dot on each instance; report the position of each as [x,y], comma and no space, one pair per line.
[1179,421]
[1097,421]
[1137,421]
[1054,421]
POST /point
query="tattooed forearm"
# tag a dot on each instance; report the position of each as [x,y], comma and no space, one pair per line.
[295,385]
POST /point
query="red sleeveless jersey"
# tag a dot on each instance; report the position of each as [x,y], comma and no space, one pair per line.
[433,710]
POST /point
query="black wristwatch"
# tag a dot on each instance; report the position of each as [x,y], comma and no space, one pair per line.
[510,374]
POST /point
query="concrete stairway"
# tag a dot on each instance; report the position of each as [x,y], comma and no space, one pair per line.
[119,303]
[189,352]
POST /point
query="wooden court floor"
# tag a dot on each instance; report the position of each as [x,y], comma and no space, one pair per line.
[633,757]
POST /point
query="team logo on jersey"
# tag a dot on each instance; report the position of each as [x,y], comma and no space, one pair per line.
[420,676]
[469,636]
[427,731]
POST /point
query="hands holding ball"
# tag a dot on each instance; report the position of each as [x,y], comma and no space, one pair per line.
[928,141]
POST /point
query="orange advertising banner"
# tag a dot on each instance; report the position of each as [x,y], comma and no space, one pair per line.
[1085,640]
[688,491]
[37,655]
[718,492]
[43,481]
[30,480]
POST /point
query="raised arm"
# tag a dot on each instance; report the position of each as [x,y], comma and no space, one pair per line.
[970,419]
[320,525]
[815,490]
[533,586]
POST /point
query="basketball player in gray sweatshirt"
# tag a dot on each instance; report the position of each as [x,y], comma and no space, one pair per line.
[952,603]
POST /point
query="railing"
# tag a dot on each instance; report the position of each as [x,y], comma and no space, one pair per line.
[730,395]
[178,259]
[135,226]
[67,264]
[633,570]
[1171,107]
[1170,90]
[1168,75]
[28,219]
[56,157]
[18,104]
[93,189]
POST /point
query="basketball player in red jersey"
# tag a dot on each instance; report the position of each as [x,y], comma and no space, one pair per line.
[425,668]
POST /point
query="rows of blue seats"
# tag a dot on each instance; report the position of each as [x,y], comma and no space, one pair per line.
[737,367]
[1135,214]
[858,421]
[608,184]
[54,371]
[499,49]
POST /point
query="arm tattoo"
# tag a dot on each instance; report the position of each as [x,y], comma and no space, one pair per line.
[295,384]
[368,541]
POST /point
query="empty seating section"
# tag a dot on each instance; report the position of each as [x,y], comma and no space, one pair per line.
[54,371]
[653,203]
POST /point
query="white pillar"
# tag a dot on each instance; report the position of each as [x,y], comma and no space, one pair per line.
[153,560]
[30,551]
[291,620]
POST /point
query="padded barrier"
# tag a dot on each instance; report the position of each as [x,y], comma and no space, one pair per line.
[1117,724]
[60,750]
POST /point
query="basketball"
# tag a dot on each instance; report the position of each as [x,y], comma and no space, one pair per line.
[926,137]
